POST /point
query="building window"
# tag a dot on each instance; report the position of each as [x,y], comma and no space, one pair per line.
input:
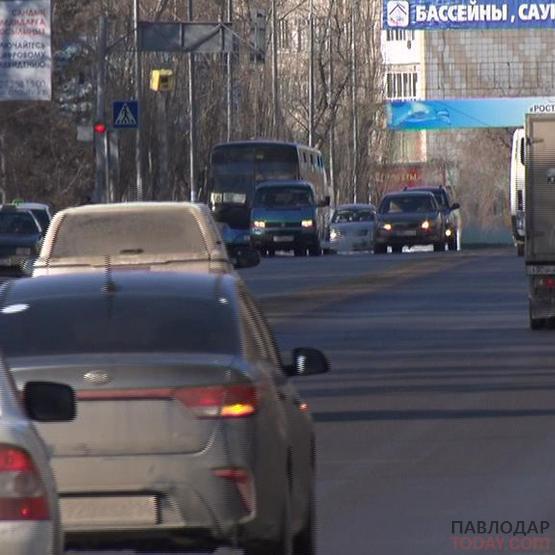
[399,34]
[401,84]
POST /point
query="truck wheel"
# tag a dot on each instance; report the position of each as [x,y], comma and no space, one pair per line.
[520,249]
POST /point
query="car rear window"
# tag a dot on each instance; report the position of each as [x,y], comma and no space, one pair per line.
[117,323]
[17,223]
[119,233]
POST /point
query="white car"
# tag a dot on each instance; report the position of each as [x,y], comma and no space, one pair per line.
[352,228]
[160,236]
[29,512]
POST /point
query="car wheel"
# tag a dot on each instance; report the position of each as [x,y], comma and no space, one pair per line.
[282,545]
[439,247]
[315,251]
[299,252]
[452,244]
[380,249]
[305,541]
[397,249]
[520,249]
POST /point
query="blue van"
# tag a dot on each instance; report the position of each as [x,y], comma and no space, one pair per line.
[287,216]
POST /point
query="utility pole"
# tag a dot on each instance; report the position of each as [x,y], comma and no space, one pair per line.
[100,138]
[332,124]
[138,85]
[311,75]
[275,88]
[192,119]
[354,82]
[229,69]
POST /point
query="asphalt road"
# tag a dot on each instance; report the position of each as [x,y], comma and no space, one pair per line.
[440,405]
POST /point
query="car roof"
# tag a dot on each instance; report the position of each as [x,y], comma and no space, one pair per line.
[355,207]
[33,206]
[266,142]
[143,284]
[133,207]
[409,192]
[284,182]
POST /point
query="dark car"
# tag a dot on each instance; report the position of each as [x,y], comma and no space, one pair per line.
[409,219]
[451,213]
[20,239]
[286,215]
[189,433]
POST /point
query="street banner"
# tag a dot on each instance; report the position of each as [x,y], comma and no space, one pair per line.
[467,14]
[417,115]
[25,50]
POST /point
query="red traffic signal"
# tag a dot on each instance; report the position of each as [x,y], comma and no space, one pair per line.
[100,127]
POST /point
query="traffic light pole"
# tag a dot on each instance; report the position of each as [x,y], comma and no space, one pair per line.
[138,85]
[99,138]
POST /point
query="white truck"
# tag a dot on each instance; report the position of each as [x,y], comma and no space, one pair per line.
[518,201]
[539,160]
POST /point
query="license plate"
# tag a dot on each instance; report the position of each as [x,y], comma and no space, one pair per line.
[109,510]
[283,238]
[408,233]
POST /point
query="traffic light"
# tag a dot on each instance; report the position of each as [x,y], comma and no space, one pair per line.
[100,128]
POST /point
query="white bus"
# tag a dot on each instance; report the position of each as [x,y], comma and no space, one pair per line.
[517,190]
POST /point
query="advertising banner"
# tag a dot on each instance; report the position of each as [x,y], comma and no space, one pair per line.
[25,50]
[469,14]
[417,115]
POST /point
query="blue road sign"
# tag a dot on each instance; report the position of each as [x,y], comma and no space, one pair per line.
[125,114]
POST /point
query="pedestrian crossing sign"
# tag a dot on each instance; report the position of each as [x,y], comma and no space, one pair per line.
[125,114]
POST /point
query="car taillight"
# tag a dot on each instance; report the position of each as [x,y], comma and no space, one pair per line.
[211,401]
[242,481]
[227,401]
[22,494]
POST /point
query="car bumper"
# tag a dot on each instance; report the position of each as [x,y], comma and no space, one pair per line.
[24,538]
[279,239]
[348,244]
[418,238]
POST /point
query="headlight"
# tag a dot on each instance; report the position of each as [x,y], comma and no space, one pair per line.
[426,224]
[259,224]
[333,234]
[387,227]
[23,251]
[307,223]
[448,233]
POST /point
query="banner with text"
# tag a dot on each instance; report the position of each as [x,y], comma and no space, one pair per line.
[417,115]
[473,14]
[25,50]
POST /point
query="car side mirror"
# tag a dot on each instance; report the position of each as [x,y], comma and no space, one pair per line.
[455,206]
[49,402]
[247,258]
[307,361]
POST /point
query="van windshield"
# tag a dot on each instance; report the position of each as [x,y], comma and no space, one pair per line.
[284,196]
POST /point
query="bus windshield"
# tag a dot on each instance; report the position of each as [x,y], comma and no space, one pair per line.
[237,168]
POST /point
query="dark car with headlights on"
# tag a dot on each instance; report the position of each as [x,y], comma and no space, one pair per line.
[409,219]
[190,433]
[20,239]
[451,212]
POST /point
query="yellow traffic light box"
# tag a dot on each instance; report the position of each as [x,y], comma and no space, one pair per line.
[161,80]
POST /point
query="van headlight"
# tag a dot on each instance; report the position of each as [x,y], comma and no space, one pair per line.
[307,223]
[426,224]
[387,227]
[259,224]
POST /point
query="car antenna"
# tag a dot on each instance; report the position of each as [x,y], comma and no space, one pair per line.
[109,285]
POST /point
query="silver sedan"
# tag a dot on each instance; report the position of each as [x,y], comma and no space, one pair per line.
[352,228]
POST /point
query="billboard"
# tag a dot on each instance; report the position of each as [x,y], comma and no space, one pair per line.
[25,50]
[470,14]
[418,115]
